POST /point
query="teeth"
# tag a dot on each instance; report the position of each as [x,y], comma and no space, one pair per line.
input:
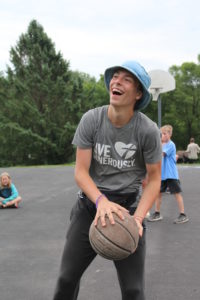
[117,91]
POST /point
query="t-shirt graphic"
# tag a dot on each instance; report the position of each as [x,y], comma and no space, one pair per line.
[125,151]
[105,155]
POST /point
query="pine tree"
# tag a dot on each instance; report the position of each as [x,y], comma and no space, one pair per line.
[41,100]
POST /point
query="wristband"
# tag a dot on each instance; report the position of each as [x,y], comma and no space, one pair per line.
[98,199]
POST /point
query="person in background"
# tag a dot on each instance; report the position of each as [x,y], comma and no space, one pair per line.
[193,150]
[9,196]
[169,177]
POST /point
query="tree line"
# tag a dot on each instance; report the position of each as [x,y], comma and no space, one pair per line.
[42,101]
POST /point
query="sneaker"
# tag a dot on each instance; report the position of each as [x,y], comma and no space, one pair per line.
[156,216]
[182,218]
[15,205]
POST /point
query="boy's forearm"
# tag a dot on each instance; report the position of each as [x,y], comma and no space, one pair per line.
[148,198]
[87,185]
[151,190]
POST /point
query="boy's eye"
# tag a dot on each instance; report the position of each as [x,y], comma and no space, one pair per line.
[128,79]
[115,76]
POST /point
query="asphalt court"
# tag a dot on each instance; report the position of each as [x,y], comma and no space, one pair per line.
[32,239]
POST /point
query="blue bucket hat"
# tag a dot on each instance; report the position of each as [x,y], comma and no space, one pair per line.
[140,73]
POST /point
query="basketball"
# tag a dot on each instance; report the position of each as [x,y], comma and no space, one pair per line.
[115,241]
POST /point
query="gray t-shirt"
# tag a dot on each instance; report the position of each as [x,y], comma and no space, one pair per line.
[119,155]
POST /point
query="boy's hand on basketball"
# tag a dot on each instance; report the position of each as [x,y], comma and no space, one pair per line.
[107,208]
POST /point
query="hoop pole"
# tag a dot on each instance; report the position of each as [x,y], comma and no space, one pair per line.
[159,112]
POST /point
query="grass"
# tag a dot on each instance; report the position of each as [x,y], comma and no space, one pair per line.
[40,166]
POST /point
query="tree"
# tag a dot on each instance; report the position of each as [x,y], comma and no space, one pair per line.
[40,100]
[183,106]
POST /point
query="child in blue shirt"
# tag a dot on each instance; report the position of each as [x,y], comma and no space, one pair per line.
[169,177]
[9,196]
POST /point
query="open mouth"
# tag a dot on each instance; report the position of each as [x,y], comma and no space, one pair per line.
[117,92]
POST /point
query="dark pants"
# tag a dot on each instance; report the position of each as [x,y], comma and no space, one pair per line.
[78,254]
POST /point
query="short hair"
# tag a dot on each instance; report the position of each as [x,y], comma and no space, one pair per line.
[192,140]
[168,128]
[5,174]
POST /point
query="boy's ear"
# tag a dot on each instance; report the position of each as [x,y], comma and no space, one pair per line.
[139,95]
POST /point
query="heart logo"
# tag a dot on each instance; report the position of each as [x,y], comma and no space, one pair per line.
[125,151]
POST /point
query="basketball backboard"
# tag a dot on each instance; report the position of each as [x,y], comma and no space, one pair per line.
[161,82]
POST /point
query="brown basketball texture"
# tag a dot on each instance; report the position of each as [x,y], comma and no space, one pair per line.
[115,241]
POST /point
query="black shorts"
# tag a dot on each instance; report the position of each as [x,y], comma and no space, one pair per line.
[173,185]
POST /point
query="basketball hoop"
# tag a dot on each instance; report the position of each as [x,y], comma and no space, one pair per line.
[155,93]
[161,82]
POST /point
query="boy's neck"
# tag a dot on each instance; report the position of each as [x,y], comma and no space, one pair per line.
[119,117]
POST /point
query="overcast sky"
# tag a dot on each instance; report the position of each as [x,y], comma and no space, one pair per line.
[95,34]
